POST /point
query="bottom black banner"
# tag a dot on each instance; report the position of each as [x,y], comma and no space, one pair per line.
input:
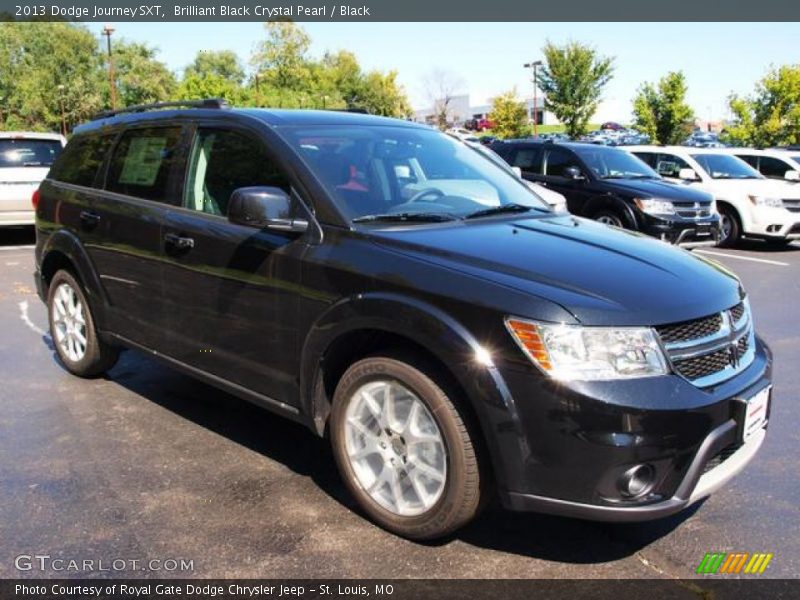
[399,589]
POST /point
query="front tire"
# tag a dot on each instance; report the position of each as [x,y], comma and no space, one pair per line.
[730,231]
[72,328]
[403,448]
[609,217]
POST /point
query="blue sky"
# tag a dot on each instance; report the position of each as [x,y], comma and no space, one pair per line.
[717,58]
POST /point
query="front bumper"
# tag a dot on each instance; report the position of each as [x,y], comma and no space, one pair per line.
[687,233]
[578,439]
[773,223]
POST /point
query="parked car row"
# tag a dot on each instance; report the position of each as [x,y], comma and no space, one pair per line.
[686,196]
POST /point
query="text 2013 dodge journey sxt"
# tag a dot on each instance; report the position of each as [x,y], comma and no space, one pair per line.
[394,290]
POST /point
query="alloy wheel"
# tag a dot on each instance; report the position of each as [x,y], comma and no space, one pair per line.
[395,448]
[69,323]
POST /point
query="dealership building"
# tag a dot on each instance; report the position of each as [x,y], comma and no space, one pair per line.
[460,110]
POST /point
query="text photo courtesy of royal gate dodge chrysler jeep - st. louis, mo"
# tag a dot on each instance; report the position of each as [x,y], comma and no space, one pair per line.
[317,302]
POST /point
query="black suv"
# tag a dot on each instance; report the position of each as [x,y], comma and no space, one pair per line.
[391,288]
[614,187]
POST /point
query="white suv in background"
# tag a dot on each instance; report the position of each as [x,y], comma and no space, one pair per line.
[772,164]
[25,159]
[749,204]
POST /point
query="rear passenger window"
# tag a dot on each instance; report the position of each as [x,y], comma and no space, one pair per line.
[81,160]
[223,161]
[143,161]
[529,160]
[774,168]
[669,165]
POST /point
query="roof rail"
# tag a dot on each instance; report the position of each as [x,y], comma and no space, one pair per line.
[205,103]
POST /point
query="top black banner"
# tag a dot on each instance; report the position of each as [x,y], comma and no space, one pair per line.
[399,10]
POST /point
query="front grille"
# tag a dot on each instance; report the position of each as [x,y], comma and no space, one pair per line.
[690,330]
[721,457]
[692,210]
[705,365]
[737,312]
[711,349]
[792,204]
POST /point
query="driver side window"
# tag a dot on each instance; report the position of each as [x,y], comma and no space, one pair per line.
[558,161]
[223,161]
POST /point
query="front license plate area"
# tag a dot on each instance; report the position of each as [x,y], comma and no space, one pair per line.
[756,413]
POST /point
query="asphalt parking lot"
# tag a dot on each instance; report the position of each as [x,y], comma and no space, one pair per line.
[150,464]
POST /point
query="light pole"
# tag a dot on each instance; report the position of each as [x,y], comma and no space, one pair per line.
[533,65]
[107,31]
[63,115]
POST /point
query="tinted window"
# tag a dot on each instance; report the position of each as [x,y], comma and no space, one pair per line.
[558,159]
[670,165]
[28,153]
[774,168]
[82,160]
[650,158]
[529,159]
[750,160]
[223,161]
[143,161]
[725,166]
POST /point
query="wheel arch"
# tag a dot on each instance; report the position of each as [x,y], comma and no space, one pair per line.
[614,203]
[65,251]
[365,324]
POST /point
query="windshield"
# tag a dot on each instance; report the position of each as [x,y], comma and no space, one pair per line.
[610,163]
[724,166]
[28,153]
[385,170]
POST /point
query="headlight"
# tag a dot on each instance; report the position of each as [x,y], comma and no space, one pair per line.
[654,206]
[573,352]
[764,201]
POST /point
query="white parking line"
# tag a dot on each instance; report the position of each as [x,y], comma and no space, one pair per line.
[26,247]
[750,258]
[23,314]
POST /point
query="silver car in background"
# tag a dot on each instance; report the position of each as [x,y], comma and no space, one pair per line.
[25,159]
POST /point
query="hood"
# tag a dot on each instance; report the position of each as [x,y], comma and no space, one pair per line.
[773,188]
[601,275]
[657,188]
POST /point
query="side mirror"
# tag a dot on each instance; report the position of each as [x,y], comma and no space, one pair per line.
[573,173]
[264,208]
[517,171]
[688,175]
[792,176]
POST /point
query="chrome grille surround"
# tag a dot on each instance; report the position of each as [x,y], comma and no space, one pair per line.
[725,348]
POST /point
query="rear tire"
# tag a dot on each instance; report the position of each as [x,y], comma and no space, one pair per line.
[72,328]
[404,449]
[730,231]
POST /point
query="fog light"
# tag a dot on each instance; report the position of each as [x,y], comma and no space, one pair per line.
[637,481]
[773,228]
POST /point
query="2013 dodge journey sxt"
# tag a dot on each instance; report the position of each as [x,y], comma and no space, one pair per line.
[399,293]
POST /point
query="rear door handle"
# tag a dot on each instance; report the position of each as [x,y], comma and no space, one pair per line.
[89,218]
[178,241]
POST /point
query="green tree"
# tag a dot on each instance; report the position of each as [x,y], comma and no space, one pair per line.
[37,58]
[197,87]
[661,110]
[573,79]
[222,64]
[509,115]
[281,59]
[771,117]
[140,77]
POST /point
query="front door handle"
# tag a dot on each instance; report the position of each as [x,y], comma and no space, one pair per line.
[178,241]
[89,218]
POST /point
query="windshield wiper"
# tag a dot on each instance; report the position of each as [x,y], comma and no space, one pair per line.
[406,217]
[499,210]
